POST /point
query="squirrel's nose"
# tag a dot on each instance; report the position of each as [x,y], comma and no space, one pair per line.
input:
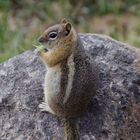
[41,40]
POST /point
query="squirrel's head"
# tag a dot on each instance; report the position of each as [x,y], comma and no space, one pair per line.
[58,35]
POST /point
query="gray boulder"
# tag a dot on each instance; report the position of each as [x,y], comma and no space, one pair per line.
[113,114]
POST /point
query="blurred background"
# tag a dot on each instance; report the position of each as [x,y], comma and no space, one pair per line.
[22,21]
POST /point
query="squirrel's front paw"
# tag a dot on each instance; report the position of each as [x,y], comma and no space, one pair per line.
[45,107]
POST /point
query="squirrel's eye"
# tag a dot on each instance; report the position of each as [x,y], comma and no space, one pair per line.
[53,35]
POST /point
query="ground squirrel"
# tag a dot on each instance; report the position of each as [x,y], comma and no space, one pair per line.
[71,74]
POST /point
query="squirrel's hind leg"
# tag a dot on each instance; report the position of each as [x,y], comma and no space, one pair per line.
[45,107]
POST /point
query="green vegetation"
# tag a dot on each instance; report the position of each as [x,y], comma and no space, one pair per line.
[21,22]
[40,47]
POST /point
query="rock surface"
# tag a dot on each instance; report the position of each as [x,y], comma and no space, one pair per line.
[113,114]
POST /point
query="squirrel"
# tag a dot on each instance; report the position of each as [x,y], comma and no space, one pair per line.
[70,80]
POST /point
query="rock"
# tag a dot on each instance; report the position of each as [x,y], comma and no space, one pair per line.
[113,114]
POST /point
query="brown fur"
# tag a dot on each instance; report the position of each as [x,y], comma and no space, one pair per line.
[55,56]
[62,48]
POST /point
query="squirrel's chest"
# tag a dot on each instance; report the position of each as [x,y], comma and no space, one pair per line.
[53,81]
[59,79]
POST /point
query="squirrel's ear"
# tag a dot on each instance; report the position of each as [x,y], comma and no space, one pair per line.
[63,21]
[68,28]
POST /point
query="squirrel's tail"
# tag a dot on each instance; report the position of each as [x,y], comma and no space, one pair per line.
[70,130]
